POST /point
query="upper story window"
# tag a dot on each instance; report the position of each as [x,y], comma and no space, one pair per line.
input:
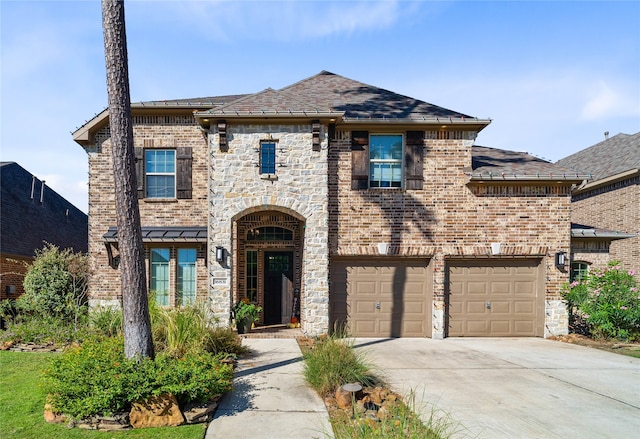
[163,173]
[160,167]
[385,160]
[267,157]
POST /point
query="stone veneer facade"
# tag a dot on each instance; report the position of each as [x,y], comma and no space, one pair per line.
[298,189]
[449,218]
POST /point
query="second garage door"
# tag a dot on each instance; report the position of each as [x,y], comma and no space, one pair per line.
[382,299]
[495,298]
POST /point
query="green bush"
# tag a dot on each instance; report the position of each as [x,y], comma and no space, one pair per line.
[44,330]
[95,378]
[106,320]
[608,301]
[56,284]
[332,362]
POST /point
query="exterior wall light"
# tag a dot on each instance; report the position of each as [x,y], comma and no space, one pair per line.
[561,259]
[220,254]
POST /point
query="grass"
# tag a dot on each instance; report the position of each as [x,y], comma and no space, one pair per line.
[22,403]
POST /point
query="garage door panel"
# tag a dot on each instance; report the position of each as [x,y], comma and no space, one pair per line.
[511,287]
[383,299]
[476,288]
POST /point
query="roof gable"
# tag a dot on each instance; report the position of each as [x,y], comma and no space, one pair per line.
[362,101]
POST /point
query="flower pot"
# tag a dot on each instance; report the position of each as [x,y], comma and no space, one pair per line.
[244,325]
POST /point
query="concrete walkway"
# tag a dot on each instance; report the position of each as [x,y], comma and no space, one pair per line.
[514,388]
[270,399]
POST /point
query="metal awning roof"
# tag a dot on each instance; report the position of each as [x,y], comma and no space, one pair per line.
[583,231]
[164,234]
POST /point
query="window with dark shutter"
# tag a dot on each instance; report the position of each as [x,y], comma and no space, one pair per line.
[359,159]
[413,160]
[184,179]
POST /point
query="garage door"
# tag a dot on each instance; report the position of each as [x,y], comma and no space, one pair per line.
[495,298]
[382,299]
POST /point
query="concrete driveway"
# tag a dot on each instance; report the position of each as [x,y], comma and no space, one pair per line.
[514,388]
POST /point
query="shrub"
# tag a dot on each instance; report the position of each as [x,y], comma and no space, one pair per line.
[95,378]
[608,301]
[55,284]
[332,362]
[107,321]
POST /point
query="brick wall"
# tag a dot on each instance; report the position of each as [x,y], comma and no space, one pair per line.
[166,132]
[12,271]
[448,217]
[615,207]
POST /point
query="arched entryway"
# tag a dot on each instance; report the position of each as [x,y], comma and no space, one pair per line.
[269,263]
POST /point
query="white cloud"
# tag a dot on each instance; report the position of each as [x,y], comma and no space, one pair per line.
[607,100]
[273,21]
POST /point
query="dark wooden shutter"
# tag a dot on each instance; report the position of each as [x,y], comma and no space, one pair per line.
[183,174]
[139,157]
[413,160]
[359,159]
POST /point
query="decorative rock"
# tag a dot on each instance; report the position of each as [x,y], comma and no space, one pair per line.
[53,418]
[195,413]
[156,411]
[343,398]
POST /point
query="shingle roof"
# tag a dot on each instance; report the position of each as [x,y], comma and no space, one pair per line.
[26,222]
[499,164]
[327,93]
[208,102]
[612,156]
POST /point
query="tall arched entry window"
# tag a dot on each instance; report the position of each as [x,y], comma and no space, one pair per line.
[269,261]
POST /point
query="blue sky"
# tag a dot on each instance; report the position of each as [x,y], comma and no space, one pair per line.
[553,76]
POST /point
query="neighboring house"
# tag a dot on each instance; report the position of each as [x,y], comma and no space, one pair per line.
[606,209]
[32,214]
[338,203]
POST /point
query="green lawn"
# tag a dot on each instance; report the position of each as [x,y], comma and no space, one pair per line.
[22,403]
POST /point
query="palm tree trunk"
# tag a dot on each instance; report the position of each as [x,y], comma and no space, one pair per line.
[138,341]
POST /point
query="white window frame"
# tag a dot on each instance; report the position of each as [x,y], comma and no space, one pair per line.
[399,161]
[161,174]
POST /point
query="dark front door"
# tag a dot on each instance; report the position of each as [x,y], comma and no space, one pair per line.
[278,274]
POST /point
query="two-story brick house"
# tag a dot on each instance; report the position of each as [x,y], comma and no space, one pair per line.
[337,203]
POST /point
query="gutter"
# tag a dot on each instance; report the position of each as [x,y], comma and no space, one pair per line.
[593,233]
[605,181]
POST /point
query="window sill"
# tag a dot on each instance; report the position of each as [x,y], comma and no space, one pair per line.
[160,200]
[271,177]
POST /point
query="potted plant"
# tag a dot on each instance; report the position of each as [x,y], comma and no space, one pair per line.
[245,314]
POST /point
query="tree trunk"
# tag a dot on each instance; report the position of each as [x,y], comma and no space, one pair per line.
[138,341]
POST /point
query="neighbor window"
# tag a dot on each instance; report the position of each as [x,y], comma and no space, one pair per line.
[578,270]
[159,284]
[267,157]
[186,285]
[160,169]
[385,160]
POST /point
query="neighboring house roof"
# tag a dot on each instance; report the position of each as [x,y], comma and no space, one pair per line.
[497,164]
[329,95]
[582,231]
[32,213]
[612,156]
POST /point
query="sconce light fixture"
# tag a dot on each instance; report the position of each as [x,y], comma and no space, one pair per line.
[561,259]
[220,253]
